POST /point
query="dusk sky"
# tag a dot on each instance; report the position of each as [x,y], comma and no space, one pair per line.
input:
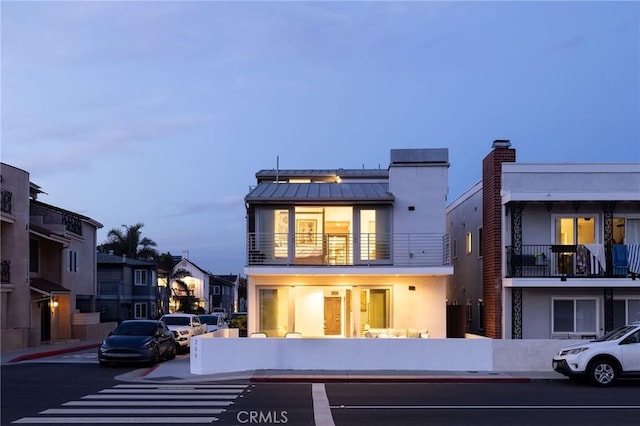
[163,112]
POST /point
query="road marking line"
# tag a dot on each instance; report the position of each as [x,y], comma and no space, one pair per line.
[487,407]
[165,396]
[180,387]
[321,410]
[123,411]
[145,403]
[172,391]
[115,420]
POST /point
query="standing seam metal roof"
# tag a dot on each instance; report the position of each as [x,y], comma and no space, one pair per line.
[269,192]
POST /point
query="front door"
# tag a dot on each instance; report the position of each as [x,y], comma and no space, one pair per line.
[332,317]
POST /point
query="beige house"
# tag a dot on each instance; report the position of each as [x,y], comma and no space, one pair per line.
[48,281]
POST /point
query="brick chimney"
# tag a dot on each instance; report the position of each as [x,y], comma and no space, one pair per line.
[492,234]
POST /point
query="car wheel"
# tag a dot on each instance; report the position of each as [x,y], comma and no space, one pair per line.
[156,358]
[603,372]
[172,352]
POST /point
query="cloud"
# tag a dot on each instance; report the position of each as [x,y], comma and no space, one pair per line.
[66,147]
[230,204]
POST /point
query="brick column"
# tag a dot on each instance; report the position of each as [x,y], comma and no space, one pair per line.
[492,235]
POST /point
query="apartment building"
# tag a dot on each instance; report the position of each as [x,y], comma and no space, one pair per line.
[547,250]
[48,283]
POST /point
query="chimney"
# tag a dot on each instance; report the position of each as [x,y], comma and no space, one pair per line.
[501,143]
[492,234]
[185,254]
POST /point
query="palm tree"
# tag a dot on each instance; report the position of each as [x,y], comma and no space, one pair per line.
[129,242]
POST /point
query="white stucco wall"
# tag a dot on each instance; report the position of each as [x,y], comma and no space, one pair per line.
[210,355]
[570,181]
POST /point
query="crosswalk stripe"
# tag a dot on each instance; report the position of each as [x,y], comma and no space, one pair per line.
[165,396]
[179,387]
[179,404]
[123,411]
[172,391]
[145,403]
[115,420]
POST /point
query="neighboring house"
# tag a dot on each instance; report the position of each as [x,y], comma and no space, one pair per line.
[342,252]
[223,291]
[127,288]
[48,266]
[197,286]
[557,245]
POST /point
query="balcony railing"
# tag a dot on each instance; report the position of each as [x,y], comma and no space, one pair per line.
[336,249]
[556,260]
[5,275]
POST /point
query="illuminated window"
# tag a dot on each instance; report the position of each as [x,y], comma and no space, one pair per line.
[469,242]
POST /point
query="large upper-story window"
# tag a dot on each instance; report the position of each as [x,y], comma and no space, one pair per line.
[375,234]
[333,235]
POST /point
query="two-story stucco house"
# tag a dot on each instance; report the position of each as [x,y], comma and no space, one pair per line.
[48,266]
[557,246]
[345,252]
[127,288]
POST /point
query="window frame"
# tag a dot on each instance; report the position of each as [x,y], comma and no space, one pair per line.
[596,308]
[72,260]
[140,310]
[144,275]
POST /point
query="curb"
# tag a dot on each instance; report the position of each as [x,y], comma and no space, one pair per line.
[387,379]
[53,352]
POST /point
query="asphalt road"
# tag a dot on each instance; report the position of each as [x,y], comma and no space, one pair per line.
[75,390]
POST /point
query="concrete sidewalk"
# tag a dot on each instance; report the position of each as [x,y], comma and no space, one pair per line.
[178,370]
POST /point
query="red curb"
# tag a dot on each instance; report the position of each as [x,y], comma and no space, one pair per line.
[379,379]
[149,370]
[54,352]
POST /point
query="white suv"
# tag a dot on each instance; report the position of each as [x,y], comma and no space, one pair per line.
[602,361]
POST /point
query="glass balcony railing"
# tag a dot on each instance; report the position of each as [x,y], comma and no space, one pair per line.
[337,249]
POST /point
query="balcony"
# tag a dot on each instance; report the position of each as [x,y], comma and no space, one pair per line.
[573,261]
[348,249]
